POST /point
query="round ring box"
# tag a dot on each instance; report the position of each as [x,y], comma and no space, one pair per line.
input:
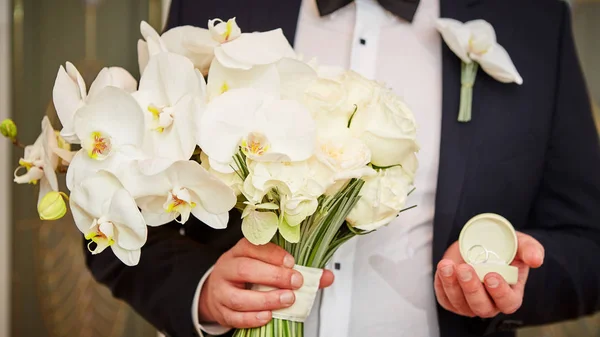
[488,242]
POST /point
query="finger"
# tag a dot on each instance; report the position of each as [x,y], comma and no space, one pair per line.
[519,288]
[505,298]
[440,294]
[446,269]
[244,320]
[326,279]
[474,291]
[247,270]
[530,250]
[269,253]
[248,300]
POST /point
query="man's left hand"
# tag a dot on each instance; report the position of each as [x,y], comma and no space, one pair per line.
[458,289]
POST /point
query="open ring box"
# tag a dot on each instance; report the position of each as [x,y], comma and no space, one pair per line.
[488,242]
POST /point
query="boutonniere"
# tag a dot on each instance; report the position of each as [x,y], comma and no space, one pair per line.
[474,42]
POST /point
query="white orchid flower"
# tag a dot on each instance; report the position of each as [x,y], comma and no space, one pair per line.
[476,41]
[171,96]
[70,93]
[41,160]
[197,44]
[232,179]
[266,129]
[111,130]
[286,79]
[253,49]
[108,216]
[222,31]
[182,189]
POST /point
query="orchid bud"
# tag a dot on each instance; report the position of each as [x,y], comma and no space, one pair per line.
[52,206]
[8,128]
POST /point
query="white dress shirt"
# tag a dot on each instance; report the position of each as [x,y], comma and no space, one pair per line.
[384,280]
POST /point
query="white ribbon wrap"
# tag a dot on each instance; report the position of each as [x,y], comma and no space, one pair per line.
[305,296]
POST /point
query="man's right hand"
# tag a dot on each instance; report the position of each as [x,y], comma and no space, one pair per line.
[225,299]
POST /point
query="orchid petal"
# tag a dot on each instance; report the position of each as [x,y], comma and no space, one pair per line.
[260,227]
[229,61]
[216,221]
[225,121]
[214,196]
[192,42]
[498,64]
[155,43]
[113,76]
[94,193]
[295,77]
[223,79]
[67,99]
[258,48]
[114,112]
[158,219]
[128,257]
[483,36]
[130,224]
[456,36]
[143,55]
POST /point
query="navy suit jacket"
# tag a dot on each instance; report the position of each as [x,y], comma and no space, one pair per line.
[531,153]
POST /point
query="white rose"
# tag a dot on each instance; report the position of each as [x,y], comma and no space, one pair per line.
[359,89]
[326,99]
[297,208]
[388,128]
[344,154]
[381,199]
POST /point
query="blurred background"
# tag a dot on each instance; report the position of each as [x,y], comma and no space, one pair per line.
[45,290]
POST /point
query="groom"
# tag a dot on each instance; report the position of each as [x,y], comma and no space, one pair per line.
[530,154]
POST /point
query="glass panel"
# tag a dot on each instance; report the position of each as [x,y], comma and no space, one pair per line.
[53,294]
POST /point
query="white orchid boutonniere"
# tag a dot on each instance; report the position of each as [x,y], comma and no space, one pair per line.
[474,42]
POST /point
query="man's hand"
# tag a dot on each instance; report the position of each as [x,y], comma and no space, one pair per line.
[458,289]
[225,298]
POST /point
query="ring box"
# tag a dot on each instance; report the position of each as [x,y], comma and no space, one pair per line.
[488,242]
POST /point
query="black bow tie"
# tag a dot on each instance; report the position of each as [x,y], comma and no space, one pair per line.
[405,9]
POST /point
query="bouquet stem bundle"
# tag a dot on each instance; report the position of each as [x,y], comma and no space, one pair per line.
[322,234]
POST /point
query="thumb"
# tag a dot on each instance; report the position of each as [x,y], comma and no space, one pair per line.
[530,250]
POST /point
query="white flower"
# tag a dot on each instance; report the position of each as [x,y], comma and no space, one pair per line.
[388,128]
[382,197]
[344,154]
[286,79]
[476,41]
[222,31]
[41,160]
[259,223]
[232,179]
[171,96]
[327,100]
[111,130]
[266,129]
[197,44]
[252,49]
[108,216]
[69,93]
[182,189]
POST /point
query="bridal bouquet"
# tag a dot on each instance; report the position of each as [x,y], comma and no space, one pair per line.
[311,155]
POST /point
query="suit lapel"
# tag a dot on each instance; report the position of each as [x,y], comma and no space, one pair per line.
[456,139]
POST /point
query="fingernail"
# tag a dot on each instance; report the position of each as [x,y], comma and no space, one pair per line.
[447,271]
[465,275]
[492,282]
[288,261]
[542,254]
[287,298]
[296,280]
[263,316]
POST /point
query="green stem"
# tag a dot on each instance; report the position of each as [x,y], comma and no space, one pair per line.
[467,79]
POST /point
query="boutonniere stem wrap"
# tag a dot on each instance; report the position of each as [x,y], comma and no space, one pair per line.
[474,42]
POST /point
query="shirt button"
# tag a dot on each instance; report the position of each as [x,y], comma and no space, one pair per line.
[337,266]
[362,41]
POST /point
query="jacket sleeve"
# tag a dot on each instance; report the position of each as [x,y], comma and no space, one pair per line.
[161,287]
[565,217]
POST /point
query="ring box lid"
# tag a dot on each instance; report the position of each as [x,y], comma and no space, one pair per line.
[488,238]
